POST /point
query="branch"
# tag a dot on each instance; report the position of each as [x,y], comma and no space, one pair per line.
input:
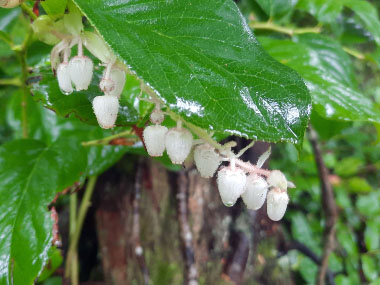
[139,252]
[284,30]
[129,137]
[185,231]
[328,205]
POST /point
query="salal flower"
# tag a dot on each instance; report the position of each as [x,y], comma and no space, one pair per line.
[10,3]
[178,143]
[117,80]
[277,179]
[154,139]
[157,116]
[206,160]
[277,202]
[106,109]
[256,189]
[81,69]
[231,182]
[64,79]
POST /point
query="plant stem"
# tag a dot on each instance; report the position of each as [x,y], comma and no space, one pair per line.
[85,204]
[11,81]
[284,30]
[328,206]
[27,10]
[21,53]
[106,140]
[73,220]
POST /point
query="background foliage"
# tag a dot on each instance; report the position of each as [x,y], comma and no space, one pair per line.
[208,68]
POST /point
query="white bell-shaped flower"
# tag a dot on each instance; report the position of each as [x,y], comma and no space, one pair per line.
[277,179]
[81,69]
[256,189]
[154,139]
[64,80]
[178,143]
[106,109]
[114,85]
[157,116]
[10,3]
[277,202]
[206,160]
[231,184]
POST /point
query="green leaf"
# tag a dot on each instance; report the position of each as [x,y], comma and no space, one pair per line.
[329,75]
[369,205]
[31,173]
[326,11]
[203,61]
[45,125]
[372,235]
[77,103]
[54,8]
[277,8]
[359,185]
[348,166]
[367,13]
[55,260]
[369,267]
[303,233]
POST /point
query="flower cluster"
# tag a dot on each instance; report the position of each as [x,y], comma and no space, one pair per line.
[239,179]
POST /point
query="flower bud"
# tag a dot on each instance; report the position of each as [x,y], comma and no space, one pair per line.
[256,189]
[154,139]
[106,109]
[114,85]
[10,3]
[277,201]
[206,160]
[277,179]
[80,69]
[64,80]
[157,116]
[231,184]
[178,143]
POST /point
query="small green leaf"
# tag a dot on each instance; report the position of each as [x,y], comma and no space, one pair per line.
[303,233]
[369,205]
[203,61]
[326,11]
[369,267]
[359,185]
[277,8]
[54,8]
[25,191]
[372,235]
[367,13]
[55,260]
[348,166]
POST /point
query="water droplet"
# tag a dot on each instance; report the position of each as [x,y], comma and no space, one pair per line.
[65,92]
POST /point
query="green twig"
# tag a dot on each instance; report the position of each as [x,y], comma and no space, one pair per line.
[11,81]
[105,141]
[85,204]
[284,30]
[27,10]
[21,54]
[73,226]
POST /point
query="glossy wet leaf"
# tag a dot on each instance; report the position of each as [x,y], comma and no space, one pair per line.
[77,103]
[329,75]
[326,11]
[31,173]
[277,8]
[205,64]
[368,16]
